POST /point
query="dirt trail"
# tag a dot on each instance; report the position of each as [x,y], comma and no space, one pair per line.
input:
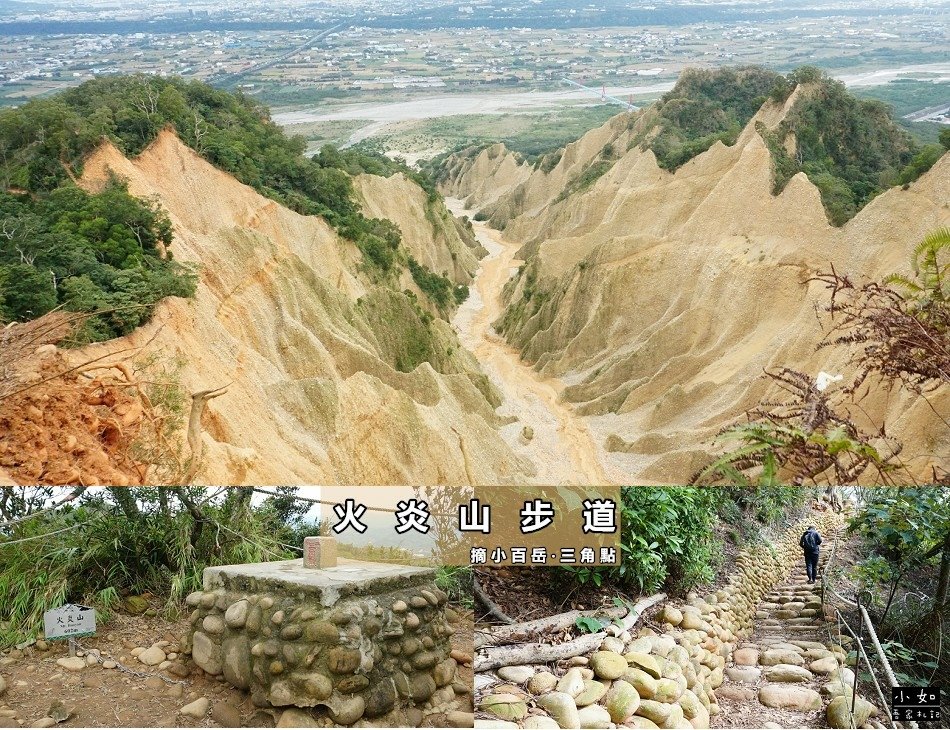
[562,447]
[114,689]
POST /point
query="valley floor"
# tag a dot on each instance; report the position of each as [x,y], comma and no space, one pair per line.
[562,447]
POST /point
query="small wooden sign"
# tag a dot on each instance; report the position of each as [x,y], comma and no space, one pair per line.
[71,621]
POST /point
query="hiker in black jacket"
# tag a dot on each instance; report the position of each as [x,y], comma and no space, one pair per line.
[809,542]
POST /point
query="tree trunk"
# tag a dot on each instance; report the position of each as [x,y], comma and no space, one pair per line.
[890,598]
[532,630]
[943,584]
[493,657]
[196,514]
[126,501]
[198,402]
[242,499]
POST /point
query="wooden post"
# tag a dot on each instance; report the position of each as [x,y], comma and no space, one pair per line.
[857,659]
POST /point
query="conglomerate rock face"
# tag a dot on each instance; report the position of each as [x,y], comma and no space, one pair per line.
[324,388]
[360,656]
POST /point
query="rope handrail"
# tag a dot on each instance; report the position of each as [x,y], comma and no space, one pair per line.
[866,622]
[888,672]
[331,503]
[864,655]
[7,543]
[77,492]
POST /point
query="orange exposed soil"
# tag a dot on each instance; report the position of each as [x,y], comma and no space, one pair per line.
[70,429]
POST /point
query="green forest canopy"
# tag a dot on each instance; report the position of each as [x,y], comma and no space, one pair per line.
[706,106]
[89,252]
[80,254]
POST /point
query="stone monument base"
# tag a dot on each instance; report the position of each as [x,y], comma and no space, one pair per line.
[361,639]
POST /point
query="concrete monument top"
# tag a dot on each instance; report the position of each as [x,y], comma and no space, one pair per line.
[327,585]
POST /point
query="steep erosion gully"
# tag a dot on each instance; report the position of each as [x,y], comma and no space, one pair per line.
[562,447]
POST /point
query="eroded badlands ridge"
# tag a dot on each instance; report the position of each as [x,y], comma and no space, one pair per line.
[640,313]
[309,346]
[660,298]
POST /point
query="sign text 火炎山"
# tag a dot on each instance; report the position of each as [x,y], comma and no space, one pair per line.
[69,622]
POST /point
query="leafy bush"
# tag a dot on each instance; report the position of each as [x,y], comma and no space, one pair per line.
[591,174]
[125,541]
[765,505]
[377,239]
[905,578]
[905,529]
[359,160]
[921,162]
[403,330]
[666,540]
[97,252]
[435,286]
[548,162]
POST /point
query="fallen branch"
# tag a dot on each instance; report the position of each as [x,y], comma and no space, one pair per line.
[80,367]
[492,657]
[493,608]
[521,632]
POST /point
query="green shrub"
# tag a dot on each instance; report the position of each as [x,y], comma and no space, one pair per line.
[102,551]
[404,331]
[549,161]
[762,505]
[435,286]
[361,159]
[457,582]
[666,540]
[922,161]
[903,577]
[591,174]
[89,253]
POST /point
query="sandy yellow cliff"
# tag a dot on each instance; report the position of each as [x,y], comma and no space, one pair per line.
[659,299]
[306,343]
